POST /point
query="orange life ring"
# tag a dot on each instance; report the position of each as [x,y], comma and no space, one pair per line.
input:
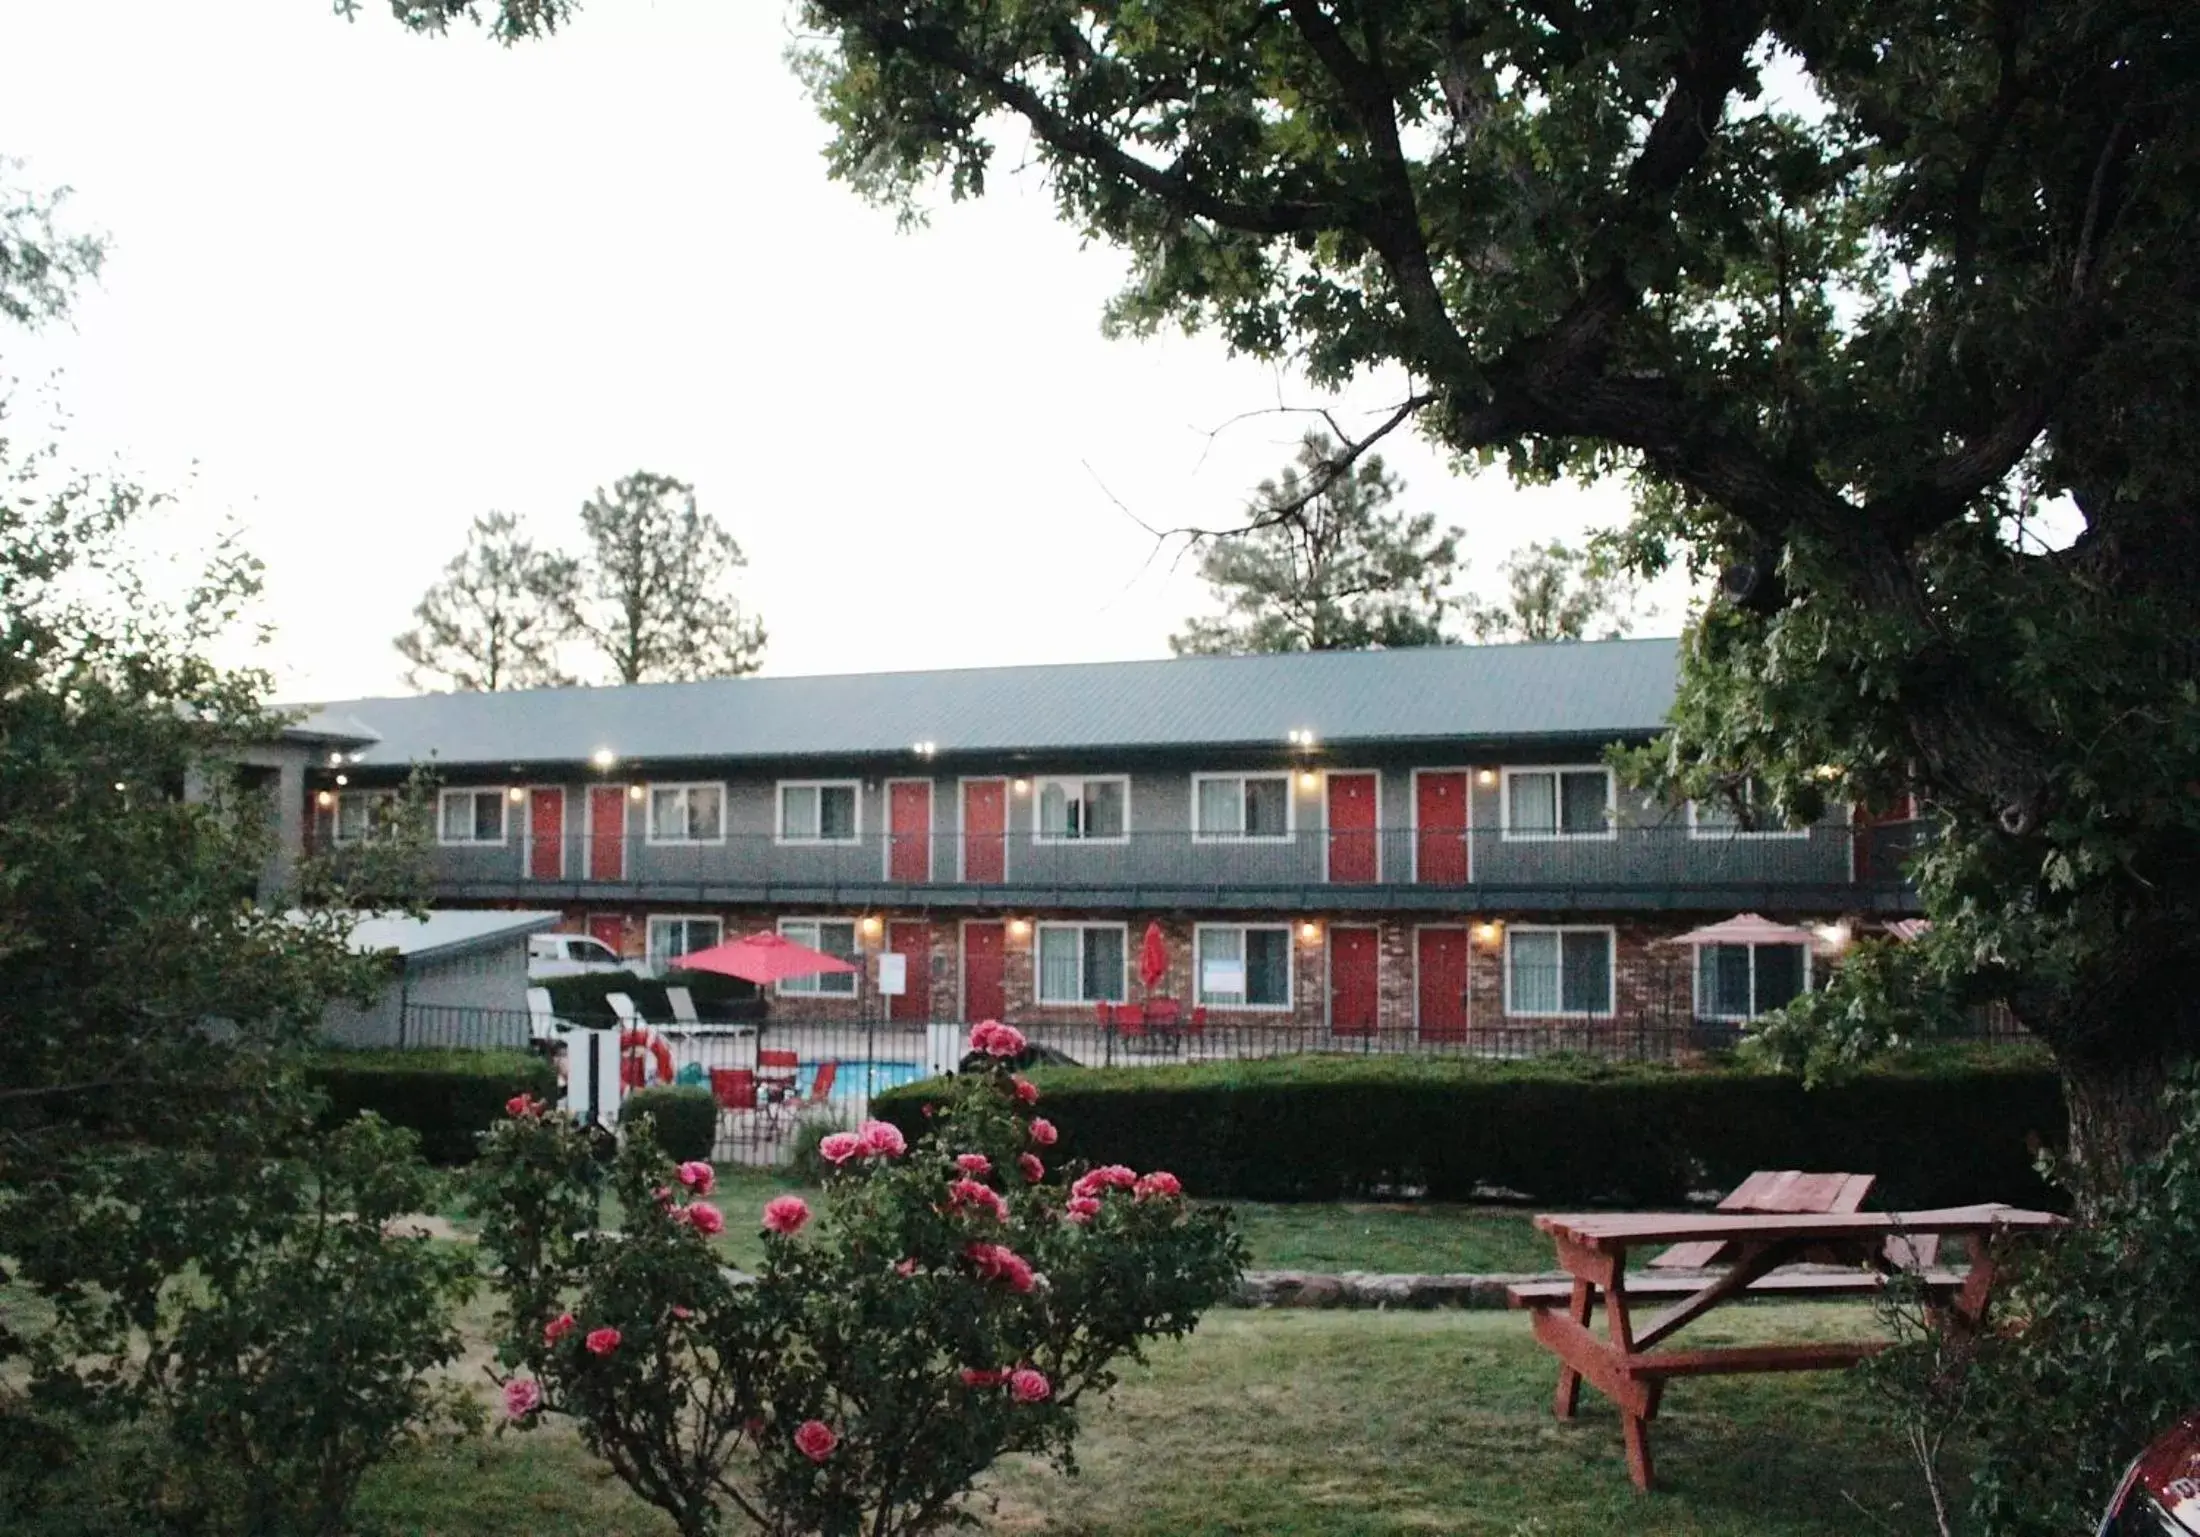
[633,1042]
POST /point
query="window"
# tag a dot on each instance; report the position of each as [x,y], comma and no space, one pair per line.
[818,812]
[1744,981]
[363,813]
[1722,818]
[470,816]
[1243,967]
[1083,811]
[1231,807]
[671,938]
[687,813]
[1558,803]
[1559,971]
[1082,963]
[834,936]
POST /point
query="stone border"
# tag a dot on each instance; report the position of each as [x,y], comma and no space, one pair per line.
[1374,1289]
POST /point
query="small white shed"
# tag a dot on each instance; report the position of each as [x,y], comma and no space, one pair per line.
[456,979]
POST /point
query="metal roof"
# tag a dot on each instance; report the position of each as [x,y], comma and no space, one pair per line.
[1571,689]
[438,934]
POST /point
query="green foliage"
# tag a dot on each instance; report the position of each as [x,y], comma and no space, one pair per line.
[654,596]
[446,1099]
[1554,592]
[1324,565]
[831,1395]
[1936,1132]
[493,620]
[684,1121]
[2095,1355]
[41,263]
[805,1163]
[716,997]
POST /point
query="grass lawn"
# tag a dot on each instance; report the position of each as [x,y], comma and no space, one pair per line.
[1334,1425]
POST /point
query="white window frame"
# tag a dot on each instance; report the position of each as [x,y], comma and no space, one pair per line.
[373,798]
[779,811]
[685,787]
[1511,834]
[650,952]
[1290,807]
[1039,783]
[1695,984]
[1290,969]
[474,793]
[813,986]
[1700,833]
[1038,966]
[1611,969]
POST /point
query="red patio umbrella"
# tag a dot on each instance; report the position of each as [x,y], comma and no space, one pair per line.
[763,957]
[1153,957]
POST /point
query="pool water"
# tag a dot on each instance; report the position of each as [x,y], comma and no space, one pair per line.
[859,1079]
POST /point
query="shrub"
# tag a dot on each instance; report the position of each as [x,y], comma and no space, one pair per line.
[686,1119]
[580,1000]
[940,1314]
[1946,1130]
[804,1161]
[446,1098]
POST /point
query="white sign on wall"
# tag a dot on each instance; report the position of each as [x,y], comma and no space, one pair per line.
[893,973]
[1223,978]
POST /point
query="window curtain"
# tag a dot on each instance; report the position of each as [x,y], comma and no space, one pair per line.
[1059,976]
[1534,803]
[1533,959]
[1218,806]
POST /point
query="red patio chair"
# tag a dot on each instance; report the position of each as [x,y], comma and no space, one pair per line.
[776,1070]
[1130,1019]
[821,1087]
[733,1087]
[1105,1013]
[1198,1020]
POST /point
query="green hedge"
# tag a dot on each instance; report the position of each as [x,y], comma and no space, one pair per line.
[448,1097]
[686,1119]
[717,998]
[1945,1132]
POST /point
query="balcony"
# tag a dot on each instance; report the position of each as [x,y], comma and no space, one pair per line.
[1649,868]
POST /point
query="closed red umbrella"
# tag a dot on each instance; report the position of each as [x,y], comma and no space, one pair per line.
[762,958]
[1153,957]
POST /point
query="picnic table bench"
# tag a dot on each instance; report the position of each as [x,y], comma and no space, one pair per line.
[1751,1251]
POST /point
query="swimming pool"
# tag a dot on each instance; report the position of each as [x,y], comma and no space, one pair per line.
[859,1079]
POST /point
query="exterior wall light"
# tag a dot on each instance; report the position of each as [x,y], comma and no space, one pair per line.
[925,749]
[515,795]
[334,759]
[343,779]
[1019,928]
[1834,936]
[1309,781]
[1299,736]
[604,758]
[1488,933]
[634,792]
[1022,787]
[871,926]
[1310,933]
[1486,778]
[325,799]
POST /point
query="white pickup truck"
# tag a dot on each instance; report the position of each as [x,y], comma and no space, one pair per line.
[569,955]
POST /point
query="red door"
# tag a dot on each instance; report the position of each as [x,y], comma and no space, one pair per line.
[985,834]
[610,928]
[1440,966]
[984,950]
[546,833]
[1440,829]
[607,832]
[912,941]
[909,830]
[1352,854]
[1352,989]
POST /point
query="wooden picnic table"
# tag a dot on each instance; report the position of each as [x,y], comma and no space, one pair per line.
[1593,1248]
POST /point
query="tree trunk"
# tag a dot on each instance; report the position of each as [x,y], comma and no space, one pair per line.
[2117,1119]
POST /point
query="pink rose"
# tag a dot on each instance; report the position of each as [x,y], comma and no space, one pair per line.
[1034,1170]
[998,1262]
[1159,1183]
[1043,1132]
[1107,1177]
[525,1106]
[977,1165]
[698,1176]
[681,1313]
[1029,1387]
[906,1267]
[969,1193]
[1081,1208]
[558,1328]
[883,1139]
[815,1440]
[706,1218]
[601,1342]
[996,1039]
[522,1397]
[979,1377]
[785,1214]
[838,1148]
[1027,1092]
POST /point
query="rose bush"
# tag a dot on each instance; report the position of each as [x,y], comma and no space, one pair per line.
[949,1303]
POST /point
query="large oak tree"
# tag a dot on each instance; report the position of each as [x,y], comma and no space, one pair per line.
[1851,287]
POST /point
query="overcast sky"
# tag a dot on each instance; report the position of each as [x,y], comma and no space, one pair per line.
[363,286]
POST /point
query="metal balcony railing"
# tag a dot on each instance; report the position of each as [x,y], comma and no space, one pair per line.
[1157,865]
